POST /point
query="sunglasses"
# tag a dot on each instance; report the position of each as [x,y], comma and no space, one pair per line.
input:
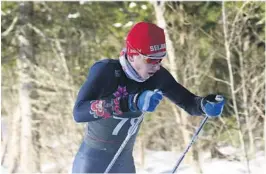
[152,61]
[148,59]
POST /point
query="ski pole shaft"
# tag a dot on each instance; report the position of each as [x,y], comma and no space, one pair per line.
[130,133]
[190,144]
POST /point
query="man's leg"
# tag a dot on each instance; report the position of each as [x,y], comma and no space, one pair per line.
[89,160]
[124,164]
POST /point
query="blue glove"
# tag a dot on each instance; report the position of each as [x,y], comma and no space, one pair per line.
[146,101]
[212,105]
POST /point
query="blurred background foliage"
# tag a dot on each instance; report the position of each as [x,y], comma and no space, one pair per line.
[64,39]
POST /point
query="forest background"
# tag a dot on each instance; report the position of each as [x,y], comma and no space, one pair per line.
[47,49]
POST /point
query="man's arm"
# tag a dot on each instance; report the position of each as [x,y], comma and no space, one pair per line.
[90,105]
[178,94]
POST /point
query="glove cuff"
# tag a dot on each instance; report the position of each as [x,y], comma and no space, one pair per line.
[202,105]
[133,102]
[124,104]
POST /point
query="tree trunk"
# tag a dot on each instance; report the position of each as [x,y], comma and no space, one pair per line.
[29,154]
[181,119]
[245,100]
[196,158]
[265,129]
[13,143]
[232,85]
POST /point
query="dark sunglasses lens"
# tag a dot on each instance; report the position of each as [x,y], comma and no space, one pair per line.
[153,61]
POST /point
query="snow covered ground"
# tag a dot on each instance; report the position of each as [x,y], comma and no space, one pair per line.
[164,162]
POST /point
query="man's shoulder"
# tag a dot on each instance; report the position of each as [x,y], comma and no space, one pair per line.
[162,76]
[106,66]
[162,72]
[108,62]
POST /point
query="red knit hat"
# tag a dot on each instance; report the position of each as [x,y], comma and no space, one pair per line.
[147,39]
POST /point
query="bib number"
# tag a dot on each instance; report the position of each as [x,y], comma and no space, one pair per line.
[133,121]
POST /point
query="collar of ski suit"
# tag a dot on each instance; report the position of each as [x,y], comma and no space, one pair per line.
[128,69]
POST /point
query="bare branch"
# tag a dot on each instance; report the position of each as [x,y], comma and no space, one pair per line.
[10,28]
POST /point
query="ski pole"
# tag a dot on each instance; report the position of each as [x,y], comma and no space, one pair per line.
[218,98]
[131,132]
[190,144]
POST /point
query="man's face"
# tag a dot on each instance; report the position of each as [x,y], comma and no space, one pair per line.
[144,66]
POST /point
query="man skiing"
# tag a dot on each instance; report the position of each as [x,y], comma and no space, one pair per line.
[117,92]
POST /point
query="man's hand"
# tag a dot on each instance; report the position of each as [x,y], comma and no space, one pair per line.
[212,105]
[146,101]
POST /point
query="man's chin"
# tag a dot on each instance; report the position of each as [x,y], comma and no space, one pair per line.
[148,76]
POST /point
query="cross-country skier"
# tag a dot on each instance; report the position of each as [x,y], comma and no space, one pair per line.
[117,92]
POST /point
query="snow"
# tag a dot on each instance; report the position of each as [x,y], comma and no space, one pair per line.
[75,15]
[3,169]
[144,7]
[164,162]
[128,24]
[117,25]
[132,5]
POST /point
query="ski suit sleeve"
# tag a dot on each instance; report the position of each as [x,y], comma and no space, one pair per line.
[179,95]
[90,105]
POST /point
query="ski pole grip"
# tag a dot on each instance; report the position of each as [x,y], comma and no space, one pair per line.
[157,90]
[219,98]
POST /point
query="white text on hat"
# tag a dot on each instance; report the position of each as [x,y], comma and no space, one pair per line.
[157,47]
